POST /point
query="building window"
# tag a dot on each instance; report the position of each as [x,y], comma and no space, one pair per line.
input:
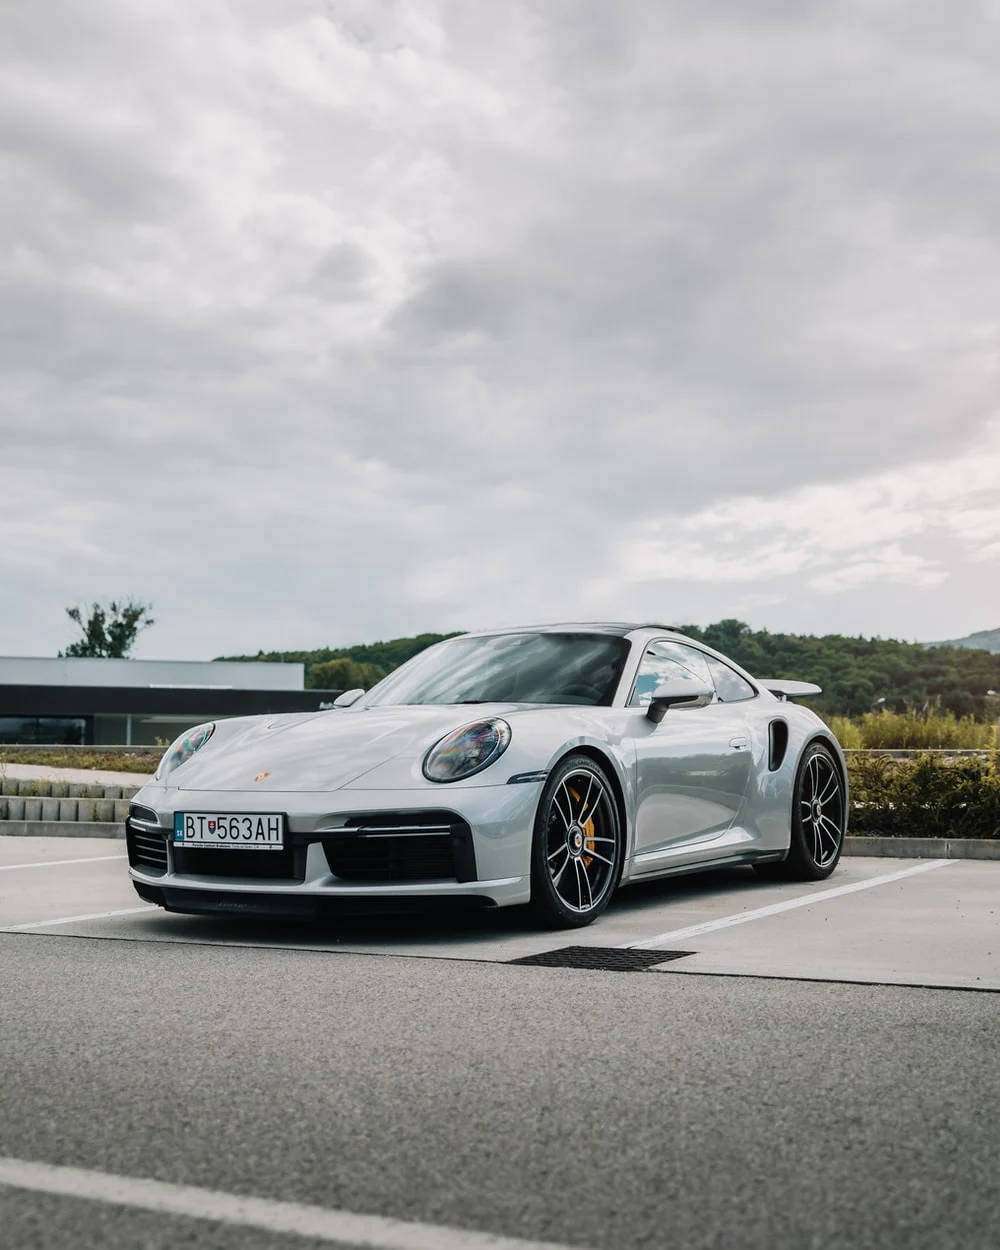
[48,730]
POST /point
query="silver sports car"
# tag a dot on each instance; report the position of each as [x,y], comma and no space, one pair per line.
[546,765]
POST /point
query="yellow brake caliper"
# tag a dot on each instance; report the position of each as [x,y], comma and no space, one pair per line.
[588,832]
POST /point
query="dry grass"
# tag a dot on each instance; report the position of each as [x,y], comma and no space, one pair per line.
[913,731]
[138,761]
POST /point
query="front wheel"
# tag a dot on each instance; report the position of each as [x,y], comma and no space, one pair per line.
[577,850]
[819,819]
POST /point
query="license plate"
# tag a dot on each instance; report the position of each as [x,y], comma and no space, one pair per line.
[245,831]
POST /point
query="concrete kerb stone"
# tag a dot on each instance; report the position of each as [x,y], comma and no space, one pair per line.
[923,848]
[60,829]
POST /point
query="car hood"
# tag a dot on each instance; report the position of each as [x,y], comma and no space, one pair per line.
[323,751]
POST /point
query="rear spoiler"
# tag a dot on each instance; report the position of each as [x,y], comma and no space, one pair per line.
[789,689]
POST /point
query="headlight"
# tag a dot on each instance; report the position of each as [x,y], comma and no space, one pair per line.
[467,751]
[181,751]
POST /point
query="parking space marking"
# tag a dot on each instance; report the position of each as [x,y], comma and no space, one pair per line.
[805,900]
[55,863]
[94,915]
[295,1218]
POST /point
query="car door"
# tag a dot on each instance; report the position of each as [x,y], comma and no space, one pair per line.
[693,768]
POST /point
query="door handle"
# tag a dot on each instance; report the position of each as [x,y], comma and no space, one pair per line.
[738,743]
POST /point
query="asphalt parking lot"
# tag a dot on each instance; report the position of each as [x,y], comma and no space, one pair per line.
[816,1068]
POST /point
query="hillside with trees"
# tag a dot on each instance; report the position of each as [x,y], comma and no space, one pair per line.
[982,640]
[864,674]
[346,668]
[857,674]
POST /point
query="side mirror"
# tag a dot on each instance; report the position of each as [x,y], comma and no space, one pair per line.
[347,698]
[677,694]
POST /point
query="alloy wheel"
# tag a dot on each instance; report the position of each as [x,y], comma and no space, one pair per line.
[581,843]
[821,809]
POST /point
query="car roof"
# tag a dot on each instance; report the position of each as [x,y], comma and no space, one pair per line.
[619,629]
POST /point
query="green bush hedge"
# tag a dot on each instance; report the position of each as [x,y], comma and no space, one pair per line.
[925,797]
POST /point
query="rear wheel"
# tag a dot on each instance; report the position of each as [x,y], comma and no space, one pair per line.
[576,854]
[819,819]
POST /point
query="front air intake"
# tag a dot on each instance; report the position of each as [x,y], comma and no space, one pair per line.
[396,847]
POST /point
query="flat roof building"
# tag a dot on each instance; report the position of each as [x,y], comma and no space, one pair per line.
[140,702]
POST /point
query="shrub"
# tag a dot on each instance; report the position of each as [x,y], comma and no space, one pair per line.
[142,760]
[915,731]
[926,797]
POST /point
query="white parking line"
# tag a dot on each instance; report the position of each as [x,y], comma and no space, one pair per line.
[94,915]
[805,900]
[296,1218]
[55,863]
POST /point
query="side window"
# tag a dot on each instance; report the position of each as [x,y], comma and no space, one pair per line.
[668,661]
[730,686]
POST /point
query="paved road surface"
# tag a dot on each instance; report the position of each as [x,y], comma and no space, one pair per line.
[724,1105]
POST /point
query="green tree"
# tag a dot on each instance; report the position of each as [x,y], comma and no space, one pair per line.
[343,674]
[110,630]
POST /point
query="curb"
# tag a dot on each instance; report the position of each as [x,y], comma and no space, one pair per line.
[61,829]
[924,848]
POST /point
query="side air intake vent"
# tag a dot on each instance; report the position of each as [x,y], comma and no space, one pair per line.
[777,743]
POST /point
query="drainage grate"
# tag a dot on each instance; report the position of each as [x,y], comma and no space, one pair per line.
[603,958]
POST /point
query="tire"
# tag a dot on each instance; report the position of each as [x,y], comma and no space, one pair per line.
[577,850]
[819,820]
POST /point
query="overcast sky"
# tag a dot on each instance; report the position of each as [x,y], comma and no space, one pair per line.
[329,322]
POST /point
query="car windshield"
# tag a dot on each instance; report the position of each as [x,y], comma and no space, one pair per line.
[510,668]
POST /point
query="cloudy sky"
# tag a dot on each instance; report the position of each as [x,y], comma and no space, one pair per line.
[326,321]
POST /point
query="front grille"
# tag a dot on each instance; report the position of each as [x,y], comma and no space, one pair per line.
[389,847]
[147,849]
[288,864]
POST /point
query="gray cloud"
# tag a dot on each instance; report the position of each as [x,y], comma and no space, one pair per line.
[322,322]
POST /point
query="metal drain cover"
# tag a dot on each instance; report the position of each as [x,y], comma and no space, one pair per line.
[603,958]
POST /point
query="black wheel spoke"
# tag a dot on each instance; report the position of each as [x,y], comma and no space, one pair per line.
[586,799]
[585,881]
[831,831]
[567,820]
[558,875]
[830,789]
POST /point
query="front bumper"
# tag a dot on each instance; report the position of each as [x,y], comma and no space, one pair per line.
[389,849]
